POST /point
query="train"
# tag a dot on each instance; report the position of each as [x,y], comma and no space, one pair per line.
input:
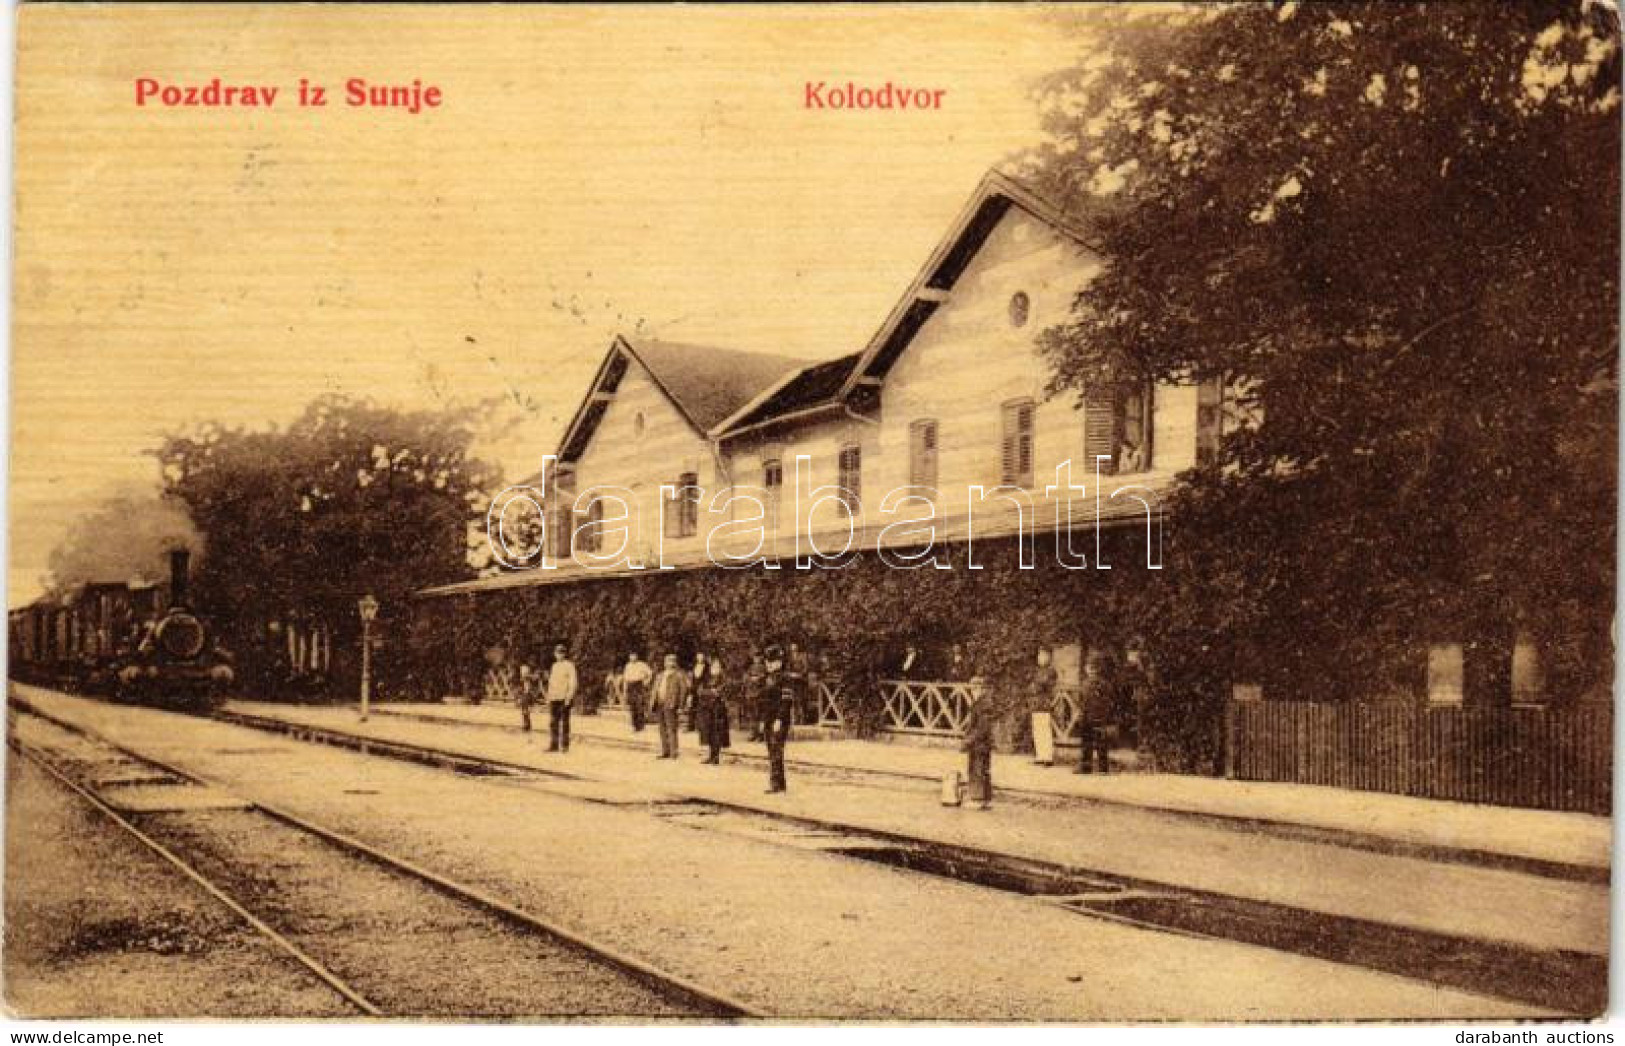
[129,641]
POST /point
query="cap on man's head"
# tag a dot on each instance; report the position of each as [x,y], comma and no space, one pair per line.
[773,652]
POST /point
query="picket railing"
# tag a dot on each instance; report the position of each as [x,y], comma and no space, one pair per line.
[828,706]
[1549,758]
[501,684]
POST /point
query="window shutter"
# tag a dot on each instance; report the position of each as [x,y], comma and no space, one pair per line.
[1100,431]
[773,483]
[669,514]
[1024,443]
[1209,419]
[1007,451]
[849,472]
[922,454]
[1148,414]
[559,532]
[688,500]
[592,539]
[1016,452]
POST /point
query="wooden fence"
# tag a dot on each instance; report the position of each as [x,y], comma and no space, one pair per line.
[1553,759]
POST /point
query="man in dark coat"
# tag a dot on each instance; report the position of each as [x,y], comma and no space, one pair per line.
[750,694]
[983,715]
[777,705]
[797,670]
[711,710]
[1095,700]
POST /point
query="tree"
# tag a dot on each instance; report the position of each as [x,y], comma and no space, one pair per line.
[351,498]
[1391,232]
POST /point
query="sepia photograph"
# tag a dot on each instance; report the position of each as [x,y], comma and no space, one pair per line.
[913,514]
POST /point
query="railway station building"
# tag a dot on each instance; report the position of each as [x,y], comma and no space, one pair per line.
[701,497]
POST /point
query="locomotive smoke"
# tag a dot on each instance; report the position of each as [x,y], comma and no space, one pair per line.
[130,535]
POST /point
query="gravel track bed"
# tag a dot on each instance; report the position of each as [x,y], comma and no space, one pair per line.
[408,948]
[96,925]
[792,932]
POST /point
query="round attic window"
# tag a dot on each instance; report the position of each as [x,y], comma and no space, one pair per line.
[1020,306]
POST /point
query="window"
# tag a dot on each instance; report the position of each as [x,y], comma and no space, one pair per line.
[682,509]
[1117,427]
[773,484]
[1209,419]
[1020,309]
[1445,674]
[592,536]
[1016,454]
[1134,439]
[558,532]
[850,478]
[922,454]
[560,518]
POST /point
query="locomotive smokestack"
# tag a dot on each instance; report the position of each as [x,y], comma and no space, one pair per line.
[179,560]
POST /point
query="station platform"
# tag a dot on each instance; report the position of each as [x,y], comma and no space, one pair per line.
[1575,845]
[1532,879]
[664,860]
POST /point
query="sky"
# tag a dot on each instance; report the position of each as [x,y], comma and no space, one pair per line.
[589,171]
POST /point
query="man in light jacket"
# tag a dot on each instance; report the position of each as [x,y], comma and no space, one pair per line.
[635,685]
[667,698]
[561,695]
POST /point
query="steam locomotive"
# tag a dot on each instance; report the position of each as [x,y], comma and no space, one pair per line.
[113,639]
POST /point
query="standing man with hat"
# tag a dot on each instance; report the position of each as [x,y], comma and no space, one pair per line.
[562,684]
[668,697]
[777,706]
[751,692]
[635,684]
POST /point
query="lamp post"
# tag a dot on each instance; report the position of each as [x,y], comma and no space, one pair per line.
[369,610]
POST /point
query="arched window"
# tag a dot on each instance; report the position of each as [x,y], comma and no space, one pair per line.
[1020,308]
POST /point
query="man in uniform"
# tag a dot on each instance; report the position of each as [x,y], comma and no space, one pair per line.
[777,705]
[669,696]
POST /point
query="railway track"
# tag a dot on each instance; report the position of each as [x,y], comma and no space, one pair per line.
[388,936]
[1563,981]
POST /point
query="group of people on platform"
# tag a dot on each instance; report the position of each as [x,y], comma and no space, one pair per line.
[770,693]
[778,686]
